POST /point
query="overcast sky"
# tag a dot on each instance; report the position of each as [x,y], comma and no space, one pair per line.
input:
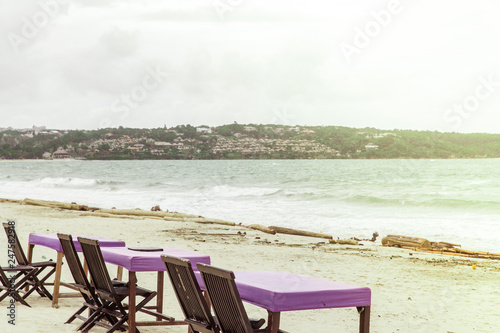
[424,65]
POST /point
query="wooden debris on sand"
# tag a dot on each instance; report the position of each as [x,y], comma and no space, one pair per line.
[289,231]
[125,213]
[400,241]
[202,220]
[57,204]
[10,200]
[453,251]
[373,239]
[157,213]
[423,245]
[97,214]
[262,228]
[346,241]
[156,208]
[140,212]
[442,245]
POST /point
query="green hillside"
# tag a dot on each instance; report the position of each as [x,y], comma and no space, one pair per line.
[237,141]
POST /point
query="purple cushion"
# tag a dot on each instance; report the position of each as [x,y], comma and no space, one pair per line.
[279,291]
[52,241]
[144,261]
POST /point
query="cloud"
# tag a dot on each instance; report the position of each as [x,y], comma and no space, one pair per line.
[262,62]
[121,43]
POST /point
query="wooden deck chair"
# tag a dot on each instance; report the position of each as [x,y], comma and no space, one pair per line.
[14,285]
[226,301]
[110,295]
[91,300]
[35,280]
[194,306]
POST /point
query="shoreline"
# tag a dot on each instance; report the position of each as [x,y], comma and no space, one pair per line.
[411,291]
[138,213]
[248,159]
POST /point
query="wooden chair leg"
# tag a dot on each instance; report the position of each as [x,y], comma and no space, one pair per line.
[273,321]
[364,319]
[159,294]
[132,281]
[30,258]
[57,280]
[30,252]
[119,273]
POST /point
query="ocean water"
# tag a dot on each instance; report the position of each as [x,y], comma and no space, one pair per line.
[455,201]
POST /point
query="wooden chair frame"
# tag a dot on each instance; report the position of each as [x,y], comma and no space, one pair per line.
[111,296]
[194,306]
[82,284]
[14,286]
[34,279]
[226,301]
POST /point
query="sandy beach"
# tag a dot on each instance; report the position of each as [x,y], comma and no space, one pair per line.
[411,291]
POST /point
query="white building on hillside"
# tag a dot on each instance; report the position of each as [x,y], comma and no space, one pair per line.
[204,130]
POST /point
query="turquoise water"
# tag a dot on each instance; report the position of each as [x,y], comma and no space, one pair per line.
[456,201]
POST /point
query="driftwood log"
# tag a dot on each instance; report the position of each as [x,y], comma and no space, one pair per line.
[262,228]
[423,245]
[459,252]
[443,245]
[289,231]
[10,200]
[56,204]
[97,214]
[400,241]
[347,241]
[140,212]
[207,221]
[126,213]
[156,214]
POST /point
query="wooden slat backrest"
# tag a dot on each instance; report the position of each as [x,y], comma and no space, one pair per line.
[75,266]
[189,294]
[97,267]
[10,231]
[226,300]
